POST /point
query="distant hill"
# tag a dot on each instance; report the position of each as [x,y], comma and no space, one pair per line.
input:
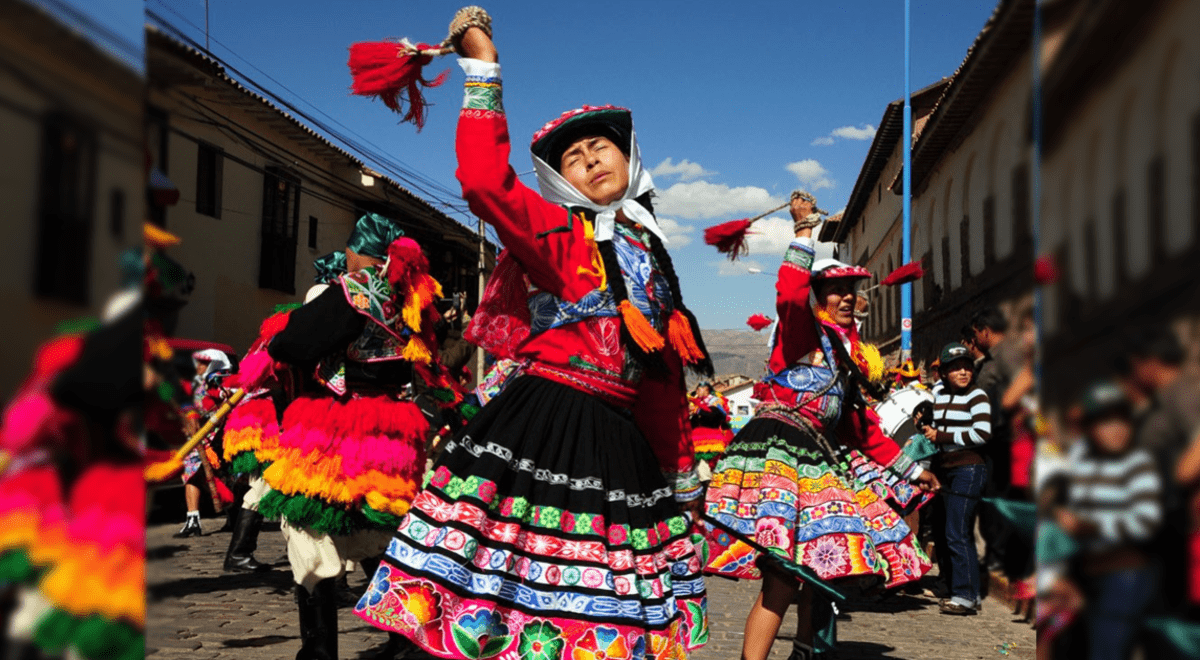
[736,352]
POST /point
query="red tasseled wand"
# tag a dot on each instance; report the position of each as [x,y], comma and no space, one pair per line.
[391,70]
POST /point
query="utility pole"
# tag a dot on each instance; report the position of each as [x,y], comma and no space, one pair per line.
[906,233]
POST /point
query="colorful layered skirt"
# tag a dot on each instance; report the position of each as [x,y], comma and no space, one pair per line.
[779,501]
[33,522]
[97,589]
[346,464]
[546,532]
[251,436]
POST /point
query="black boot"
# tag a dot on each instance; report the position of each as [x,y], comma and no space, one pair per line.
[318,621]
[801,651]
[233,511]
[243,543]
[190,528]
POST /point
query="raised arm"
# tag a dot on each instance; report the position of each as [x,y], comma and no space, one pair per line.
[551,245]
[797,329]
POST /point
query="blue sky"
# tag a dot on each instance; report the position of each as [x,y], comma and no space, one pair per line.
[735,103]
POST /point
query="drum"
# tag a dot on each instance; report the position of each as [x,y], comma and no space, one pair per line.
[896,412]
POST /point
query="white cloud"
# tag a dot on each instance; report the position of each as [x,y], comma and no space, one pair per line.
[866,132]
[771,236]
[678,233]
[685,169]
[727,268]
[811,174]
[701,200]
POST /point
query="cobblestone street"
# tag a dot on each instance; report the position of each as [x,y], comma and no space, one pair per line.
[196,612]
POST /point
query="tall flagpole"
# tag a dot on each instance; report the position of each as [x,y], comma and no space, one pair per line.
[906,234]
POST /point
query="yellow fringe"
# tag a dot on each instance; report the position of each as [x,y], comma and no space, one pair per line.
[416,351]
[420,294]
[88,582]
[18,529]
[870,354]
[597,270]
[386,504]
[679,331]
[292,474]
[639,328]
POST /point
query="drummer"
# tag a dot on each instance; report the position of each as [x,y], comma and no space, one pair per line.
[907,375]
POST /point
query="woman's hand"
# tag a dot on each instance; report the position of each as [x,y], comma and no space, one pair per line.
[930,433]
[928,482]
[800,209]
[476,44]
[692,508]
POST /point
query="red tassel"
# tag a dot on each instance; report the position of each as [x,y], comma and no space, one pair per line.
[389,70]
[758,322]
[909,272]
[1045,270]
[729,238]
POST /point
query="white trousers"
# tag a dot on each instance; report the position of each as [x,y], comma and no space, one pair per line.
[316,556]
[258,488]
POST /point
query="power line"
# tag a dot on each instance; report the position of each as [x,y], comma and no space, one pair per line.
[398,168]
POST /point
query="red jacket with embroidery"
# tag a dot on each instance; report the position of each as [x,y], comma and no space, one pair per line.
[559,256]
[798,340]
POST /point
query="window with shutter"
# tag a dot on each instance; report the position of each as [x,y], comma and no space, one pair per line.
[209,169]
[66,191]
[280,229]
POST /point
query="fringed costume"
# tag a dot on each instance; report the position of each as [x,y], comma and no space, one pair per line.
[550,528]
[351,451]
[788,495]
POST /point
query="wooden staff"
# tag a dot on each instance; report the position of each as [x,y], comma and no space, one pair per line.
[163,470]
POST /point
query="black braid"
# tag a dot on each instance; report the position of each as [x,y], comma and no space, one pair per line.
[616,283]
[663,258]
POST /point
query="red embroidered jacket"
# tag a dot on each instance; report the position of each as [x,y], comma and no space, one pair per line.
[559,256]
[799,361]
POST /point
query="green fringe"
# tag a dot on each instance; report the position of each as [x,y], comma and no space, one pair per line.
[79,326]
[382,519]
[469,410]
[246,462]
[15,568]
[93,637]
[304,511]
[321,516]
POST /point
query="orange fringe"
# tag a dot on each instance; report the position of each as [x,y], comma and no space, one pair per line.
[110,583]
[679,331]
[322,477]
[416,351]
[639,328]
[419,295]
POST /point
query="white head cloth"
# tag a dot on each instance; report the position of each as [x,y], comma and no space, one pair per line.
[556,190]
[217,360]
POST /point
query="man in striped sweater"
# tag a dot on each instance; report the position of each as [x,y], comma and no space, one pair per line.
[1113,511]
[961,425]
